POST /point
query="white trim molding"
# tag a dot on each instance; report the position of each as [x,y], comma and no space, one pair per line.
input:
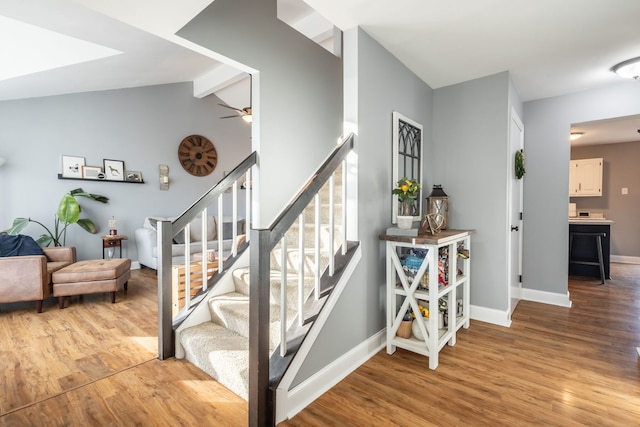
[552,298]
[625,259]
[490,315]
[312,388]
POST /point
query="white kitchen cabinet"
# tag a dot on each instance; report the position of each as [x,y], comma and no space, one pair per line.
[585,177]
[441,277]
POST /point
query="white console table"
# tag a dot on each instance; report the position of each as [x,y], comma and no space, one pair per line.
[452,283]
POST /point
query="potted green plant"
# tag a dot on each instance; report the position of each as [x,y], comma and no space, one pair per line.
[68,213]
[407,191]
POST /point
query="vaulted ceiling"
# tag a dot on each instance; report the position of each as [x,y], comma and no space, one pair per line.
[549,47]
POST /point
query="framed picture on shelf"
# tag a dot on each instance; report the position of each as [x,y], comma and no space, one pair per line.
[72,166]
[114,170]
[133,176]
[91,172]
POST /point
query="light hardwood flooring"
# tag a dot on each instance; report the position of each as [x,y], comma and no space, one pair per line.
[94,364]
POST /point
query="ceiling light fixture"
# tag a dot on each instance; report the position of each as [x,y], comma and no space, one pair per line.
[575,135]
[629,69]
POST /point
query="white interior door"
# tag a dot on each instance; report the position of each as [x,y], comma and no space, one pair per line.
[516,143]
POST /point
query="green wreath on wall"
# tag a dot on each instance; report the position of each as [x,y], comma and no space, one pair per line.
[520,164]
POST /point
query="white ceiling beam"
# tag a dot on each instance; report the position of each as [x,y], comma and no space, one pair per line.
[217,79]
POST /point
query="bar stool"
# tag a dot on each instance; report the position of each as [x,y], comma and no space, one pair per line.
[600,263]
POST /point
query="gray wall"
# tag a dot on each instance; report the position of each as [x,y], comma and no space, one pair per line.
[141,126]
[620,169]
[383,85]
[297,98]
[471,143]
[547,127]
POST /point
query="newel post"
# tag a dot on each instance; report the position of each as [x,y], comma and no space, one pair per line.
[261,406]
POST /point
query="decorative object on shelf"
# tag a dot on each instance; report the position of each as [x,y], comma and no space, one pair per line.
[91,172]
[407,191]
[404,330]
[519,164]
[114,170]
[406,160]
[133,176]
[197,155]
[72,166]
[439,204]
[113,225]
[68,213]
[432,223]
[164,177]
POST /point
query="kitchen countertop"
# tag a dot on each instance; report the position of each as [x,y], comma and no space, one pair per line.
[590,221]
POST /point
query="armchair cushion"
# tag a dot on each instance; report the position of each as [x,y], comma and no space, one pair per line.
[18,245]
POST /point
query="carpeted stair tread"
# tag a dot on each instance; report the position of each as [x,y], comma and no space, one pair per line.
[221,353]
[232,311]
[241,282]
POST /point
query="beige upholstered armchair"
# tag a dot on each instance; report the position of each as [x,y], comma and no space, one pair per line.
[28,278]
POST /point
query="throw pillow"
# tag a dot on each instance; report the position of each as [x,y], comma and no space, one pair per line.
[227,228]
[196,229]
[18,245]
[179,238]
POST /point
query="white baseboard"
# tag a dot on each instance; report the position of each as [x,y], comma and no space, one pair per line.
[310,389]
[625,259]
[546,297]
[490,315]
[135,265]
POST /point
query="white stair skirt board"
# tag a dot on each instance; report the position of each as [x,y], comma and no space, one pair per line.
[283,392]
[289,404]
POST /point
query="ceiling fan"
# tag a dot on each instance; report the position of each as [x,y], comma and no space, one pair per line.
[245,113]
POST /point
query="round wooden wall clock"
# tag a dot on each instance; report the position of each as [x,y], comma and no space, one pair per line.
[197,155]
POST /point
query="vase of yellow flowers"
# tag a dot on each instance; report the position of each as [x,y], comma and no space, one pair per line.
[407,191]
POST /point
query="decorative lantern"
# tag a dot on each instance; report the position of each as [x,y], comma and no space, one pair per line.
[438,203]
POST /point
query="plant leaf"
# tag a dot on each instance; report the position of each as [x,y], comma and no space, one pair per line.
[88,225]
[97,197]
[18,225]
[69,209]
[44,240]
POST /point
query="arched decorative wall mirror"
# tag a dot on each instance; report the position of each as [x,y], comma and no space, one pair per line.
[407,159]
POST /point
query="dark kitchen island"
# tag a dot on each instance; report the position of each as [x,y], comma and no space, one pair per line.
[584,248]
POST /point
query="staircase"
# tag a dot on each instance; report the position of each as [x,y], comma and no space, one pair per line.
[220,347]
[294,266]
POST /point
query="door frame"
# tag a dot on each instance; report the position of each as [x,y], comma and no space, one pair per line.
[514,290]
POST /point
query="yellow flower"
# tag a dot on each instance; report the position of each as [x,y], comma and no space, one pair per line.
[407,190]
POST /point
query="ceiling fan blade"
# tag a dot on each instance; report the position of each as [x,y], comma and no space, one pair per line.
[231,117]
[232,108]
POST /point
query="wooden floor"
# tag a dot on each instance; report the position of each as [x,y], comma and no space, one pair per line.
[94,364]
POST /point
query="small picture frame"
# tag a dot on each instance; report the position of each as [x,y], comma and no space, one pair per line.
[114,170]
[72,166]
[91,172]
[133,176]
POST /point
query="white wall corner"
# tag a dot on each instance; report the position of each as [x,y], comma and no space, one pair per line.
[544,297]
[291,402]
[490,315]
